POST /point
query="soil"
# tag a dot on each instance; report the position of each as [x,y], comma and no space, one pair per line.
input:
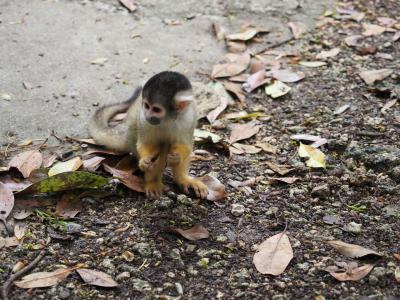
[361,185]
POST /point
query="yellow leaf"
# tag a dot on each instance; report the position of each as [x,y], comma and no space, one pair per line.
[316,159]
[66,166]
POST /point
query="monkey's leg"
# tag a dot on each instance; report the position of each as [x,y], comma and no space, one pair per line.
[152,162]
[179,160]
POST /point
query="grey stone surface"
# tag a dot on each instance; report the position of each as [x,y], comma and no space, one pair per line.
[50,45]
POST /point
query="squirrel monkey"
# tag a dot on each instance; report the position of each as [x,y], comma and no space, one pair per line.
[158,129]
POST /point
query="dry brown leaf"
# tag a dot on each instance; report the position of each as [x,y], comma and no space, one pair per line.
[49,160]
[249,149]
[371,29]
[244,131]
[274,255]
[97,278]
[297,29]
[26,162]
[288,180]
[396,36]
[236,90]
[353,274]
[385,21]
[66,166]
[6,202]
[286,75]
[213,115]
[353,40]
[27,85]
[388,105]
[243,36]
[131,181]
[367,50]
[20,230]
[9,242]
[219,31]
[129,4]
[375,75]
[92,163]
[280,169]
[20,213]
[236,47]
[235,64]
[328,54]
[239,78]
[266,147]
[351,250]
[43,279]
[68,206]
[216,190]
[254,81]
[197,232]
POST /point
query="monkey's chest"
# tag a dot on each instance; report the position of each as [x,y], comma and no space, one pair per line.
[167,134]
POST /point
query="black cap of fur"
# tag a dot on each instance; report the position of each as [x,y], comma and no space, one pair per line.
[162,87]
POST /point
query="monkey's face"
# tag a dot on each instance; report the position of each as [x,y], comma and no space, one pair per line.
[153,112]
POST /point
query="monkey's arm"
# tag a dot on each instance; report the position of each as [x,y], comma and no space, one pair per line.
[179,160]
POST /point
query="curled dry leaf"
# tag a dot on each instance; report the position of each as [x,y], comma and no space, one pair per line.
[352,274]
[236,90]
[49,160]
[396,36]
[43,279]
[216,190]
[274,255]
[26,162]
[68,206]
[351,250]
[327,54]
[286,75]
[129,4]
[244,131]
[243,36]
[66,166]
[254,81]
[9,242]
[277,89]
[306,137]
[6,202]
[131,181]
[385,21]
[197,232]
[219,31]
[375,75]
[242,148]
[20,230]
[297,29]
[203,135]
[341,109]
[353,40]
[236,46]
[97,278]
[280,169]
[213,115]
[266,147]
[235,64]
[20,213]
[288,180]
[371,29]
[92,163]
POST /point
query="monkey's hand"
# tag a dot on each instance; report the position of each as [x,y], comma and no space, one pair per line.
[154,189]
[147,164]
[148,154]
[199,187]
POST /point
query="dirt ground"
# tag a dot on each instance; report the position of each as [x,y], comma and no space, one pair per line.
[355,199]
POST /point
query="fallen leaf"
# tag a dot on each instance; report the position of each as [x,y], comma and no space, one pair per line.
[277,89]
[388,105]
[219,31]
[26,162]
[97,278]
[266,147]
[384,56]
[371,29]
[397,274]
[341,109]
[9,242]
[66,181]
[236,46]
[66,166]
[129,4]
[235,64]
[27,85]
[248,34]
[216,190]
[306,137]
[243,131]
[286,75]
[239,78]
[367,50]
[316,159]
[351,250]
[297,30]
[328,54]
[312,64]
[25,143]
[68,206]
[254,81]
[6,202]
[213,115]
[249,149]
[236,90]
[375,75]
[385,21]
[288,180]
[280,169]
[202,135]
[353,40]
[43,279]
[396,36]
[99,61]
[274,255]
[15,184]
[131,181]
[197,232]
[353,274]
[21,213]
[243,115]
[20,230]
[92,163]
[49,160]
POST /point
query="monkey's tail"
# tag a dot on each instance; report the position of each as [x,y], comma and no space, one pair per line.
[114,138]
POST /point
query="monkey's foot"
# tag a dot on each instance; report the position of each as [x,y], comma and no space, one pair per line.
[146,164]
[174,158]
[154,189]
[199,188]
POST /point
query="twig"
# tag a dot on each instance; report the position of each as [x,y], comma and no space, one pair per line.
[6,286]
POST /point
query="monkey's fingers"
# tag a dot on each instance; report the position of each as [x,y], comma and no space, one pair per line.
[199,188]
[154,190]
[174,158]
[147,164]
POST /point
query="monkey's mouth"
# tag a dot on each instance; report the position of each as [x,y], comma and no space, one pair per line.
[153,120]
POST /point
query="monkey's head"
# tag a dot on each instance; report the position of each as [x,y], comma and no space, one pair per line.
[165,96]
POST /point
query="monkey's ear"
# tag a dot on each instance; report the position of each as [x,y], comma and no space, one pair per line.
[183,99]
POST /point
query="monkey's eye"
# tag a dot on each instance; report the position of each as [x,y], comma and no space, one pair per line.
[146,106]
